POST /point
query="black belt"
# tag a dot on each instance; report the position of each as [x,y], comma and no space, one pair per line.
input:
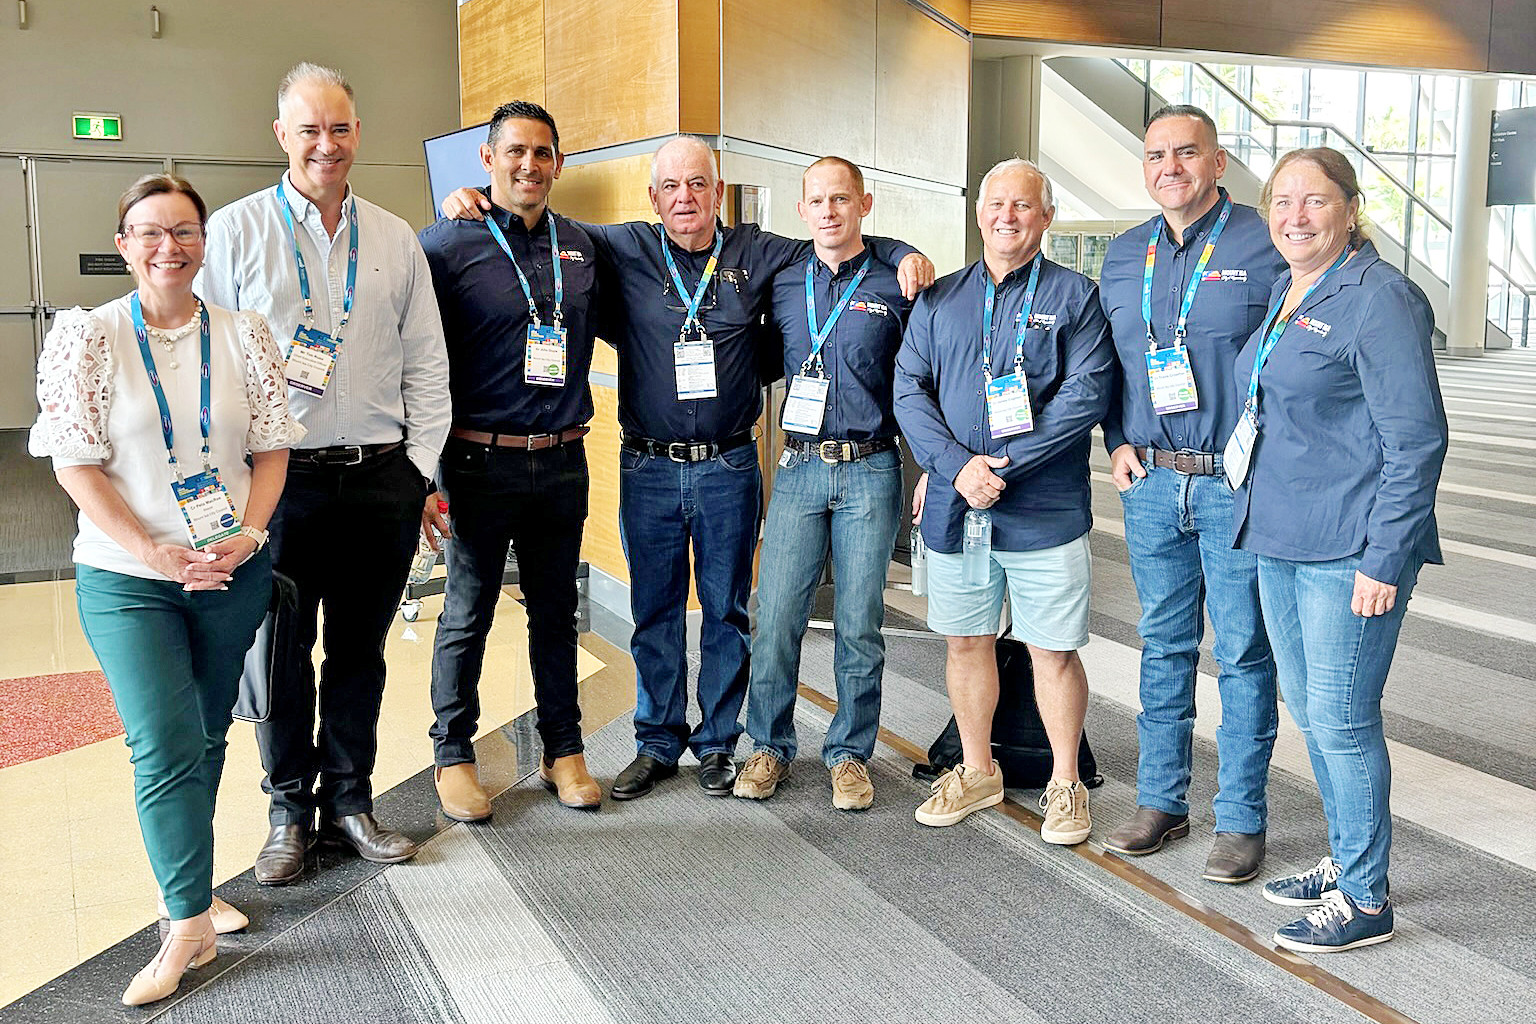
[832,452]
[687,451]
[1190,463]
[341,454]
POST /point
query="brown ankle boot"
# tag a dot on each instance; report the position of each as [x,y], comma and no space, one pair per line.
[572,783]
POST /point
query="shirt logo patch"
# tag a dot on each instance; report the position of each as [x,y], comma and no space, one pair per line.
[572,255]
[733,275]
[872,308]
[1037,321]
[1240,276]
[1313,324]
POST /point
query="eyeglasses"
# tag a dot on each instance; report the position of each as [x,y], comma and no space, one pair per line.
[151,235]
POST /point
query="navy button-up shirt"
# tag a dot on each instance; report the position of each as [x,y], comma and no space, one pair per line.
[644,324]
[941,406]
[1231,300]
[859,356]
[485,320]
[1352,431]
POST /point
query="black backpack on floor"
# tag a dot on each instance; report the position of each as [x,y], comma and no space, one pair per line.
[1019,742]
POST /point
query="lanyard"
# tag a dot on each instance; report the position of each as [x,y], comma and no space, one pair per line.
[819,337]
[522,279]
[293,235]
[1018,335]
[1194,281]
[682,289]
[1280,323]
[154,382]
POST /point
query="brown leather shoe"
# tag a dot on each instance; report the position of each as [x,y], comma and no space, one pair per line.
[460,792]
[1146,832]
[571,782]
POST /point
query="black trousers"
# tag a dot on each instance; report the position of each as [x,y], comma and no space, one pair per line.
[345,535]
[537,502]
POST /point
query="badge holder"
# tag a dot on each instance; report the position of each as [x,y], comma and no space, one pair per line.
[1008,411]
[1171,379]
[544,355]
[695,367]
[311,360]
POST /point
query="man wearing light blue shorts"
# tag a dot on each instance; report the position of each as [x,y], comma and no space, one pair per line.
[1005,368]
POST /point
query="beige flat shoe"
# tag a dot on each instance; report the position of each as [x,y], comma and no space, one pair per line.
[151,984]
[226,918]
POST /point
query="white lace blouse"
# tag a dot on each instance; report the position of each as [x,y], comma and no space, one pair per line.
[98,409]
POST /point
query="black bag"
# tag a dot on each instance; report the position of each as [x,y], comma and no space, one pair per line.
[1019,742]
[275,647]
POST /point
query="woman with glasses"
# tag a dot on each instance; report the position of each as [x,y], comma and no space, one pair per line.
[150,405]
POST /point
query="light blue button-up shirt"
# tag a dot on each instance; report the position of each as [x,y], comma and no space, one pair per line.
[391,377]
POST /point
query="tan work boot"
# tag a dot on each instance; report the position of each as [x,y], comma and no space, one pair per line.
[1065,804]
[851,788]
[571,782]
[460,792]
[960,791]
[759,778]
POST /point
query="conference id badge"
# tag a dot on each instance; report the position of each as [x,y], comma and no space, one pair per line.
[1171,380]
[206,508]
[1239,449]
[544,358]
[806,406]
[695,362]
[1008,411]
[311,359]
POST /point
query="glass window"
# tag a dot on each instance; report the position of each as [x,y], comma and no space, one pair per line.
[1388,97]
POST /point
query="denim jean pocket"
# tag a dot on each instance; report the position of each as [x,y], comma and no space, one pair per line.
[1137,483]
[740,460]
[630,461]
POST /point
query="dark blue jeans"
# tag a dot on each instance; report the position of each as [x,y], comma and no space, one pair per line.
[537,502]
[664,508]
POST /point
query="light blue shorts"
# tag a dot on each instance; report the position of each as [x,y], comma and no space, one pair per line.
[1048,591]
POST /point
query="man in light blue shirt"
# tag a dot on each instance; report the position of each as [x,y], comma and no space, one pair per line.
[346,288]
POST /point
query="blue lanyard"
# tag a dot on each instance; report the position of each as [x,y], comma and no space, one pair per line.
[298,256]
[1018,335]
[204,418]
[1281,323]
[682,289]
[819,337]
[522,279]
[1194,280]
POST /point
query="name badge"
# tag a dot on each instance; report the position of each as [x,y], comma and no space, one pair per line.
[806,406]
[544,358]
[1171,380]
[206,508]
[311,359]
[1239,449]
[695,362]
[1008,411]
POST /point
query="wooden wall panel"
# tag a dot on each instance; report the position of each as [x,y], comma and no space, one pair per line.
[801,74]
[698,66]
[501,56]
[611,70]
[1440,34]
[607,192]
[922,95]
[1512,43]
[1125,22]
[957,11]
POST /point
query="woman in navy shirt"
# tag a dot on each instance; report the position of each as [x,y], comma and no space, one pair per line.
[1345,435]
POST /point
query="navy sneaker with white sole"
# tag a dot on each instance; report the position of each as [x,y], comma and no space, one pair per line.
[1306,889]
[1336,925]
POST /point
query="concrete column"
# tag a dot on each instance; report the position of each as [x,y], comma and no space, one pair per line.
[1466,333]
[1005,122]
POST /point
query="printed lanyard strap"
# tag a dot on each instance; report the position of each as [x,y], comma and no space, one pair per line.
[203,419]
[522,279]
[819,336]
[1280,323]
[298,256]
[1194,280]
[677,279]
[1018,335]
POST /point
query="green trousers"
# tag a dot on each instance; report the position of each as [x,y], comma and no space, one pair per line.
[173,660]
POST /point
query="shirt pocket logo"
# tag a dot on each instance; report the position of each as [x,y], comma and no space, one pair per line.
[1234,276]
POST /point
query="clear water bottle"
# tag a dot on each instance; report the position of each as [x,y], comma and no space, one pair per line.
[919,563]
[426,555]
[976,555]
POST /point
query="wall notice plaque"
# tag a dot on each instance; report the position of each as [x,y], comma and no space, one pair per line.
[102,264]
[1512,157]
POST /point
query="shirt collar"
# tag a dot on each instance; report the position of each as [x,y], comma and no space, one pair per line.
[847,268]
[302,207]
[509,221]
[1200,228]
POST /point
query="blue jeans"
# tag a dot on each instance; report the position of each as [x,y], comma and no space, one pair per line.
[853,510]
[1178,531]
[664,507]
[1333,667]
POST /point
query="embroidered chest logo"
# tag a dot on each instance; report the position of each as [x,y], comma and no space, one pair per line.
[733,276]
[1238,276]
[1313,324]
[572,256]
[1037,321]
[869,307]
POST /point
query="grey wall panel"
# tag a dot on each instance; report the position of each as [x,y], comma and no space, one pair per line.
[18,372]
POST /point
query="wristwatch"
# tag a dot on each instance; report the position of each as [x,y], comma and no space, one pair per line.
[255,534]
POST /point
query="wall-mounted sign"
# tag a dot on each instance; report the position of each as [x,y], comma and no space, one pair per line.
[102,264]
[1512,157]
[98,126]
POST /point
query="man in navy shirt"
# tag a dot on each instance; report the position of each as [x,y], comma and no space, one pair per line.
[1005,368]
[517,293]
[838,490]
[1183,292]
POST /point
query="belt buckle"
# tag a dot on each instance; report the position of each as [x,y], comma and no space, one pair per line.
[673,447]
[357,456]
[836,448]
[1190,463]
[538,441]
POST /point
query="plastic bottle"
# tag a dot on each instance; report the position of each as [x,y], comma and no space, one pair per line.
[919,563]
[976,554]
[426,554]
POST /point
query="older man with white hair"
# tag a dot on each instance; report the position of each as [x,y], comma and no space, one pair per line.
[1005,368]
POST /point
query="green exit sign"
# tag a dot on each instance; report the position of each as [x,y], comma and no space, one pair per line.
[99,126]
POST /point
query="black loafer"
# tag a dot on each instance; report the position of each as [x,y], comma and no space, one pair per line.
[371,840]
[1234,858]
[717,773]
[640,777]
[1146,832]
[281,860]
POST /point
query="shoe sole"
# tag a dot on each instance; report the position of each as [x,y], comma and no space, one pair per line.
[853,807]
[1291,901]
[1232,879]
[741,794]
[465,818]
[549,784]
[1065,838]
[707,791]
[1308,947]
[1177,832]
[942,820]
[347,844]
[281,880]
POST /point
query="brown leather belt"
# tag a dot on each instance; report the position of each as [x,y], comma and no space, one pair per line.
[1190,463]
[532,442]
